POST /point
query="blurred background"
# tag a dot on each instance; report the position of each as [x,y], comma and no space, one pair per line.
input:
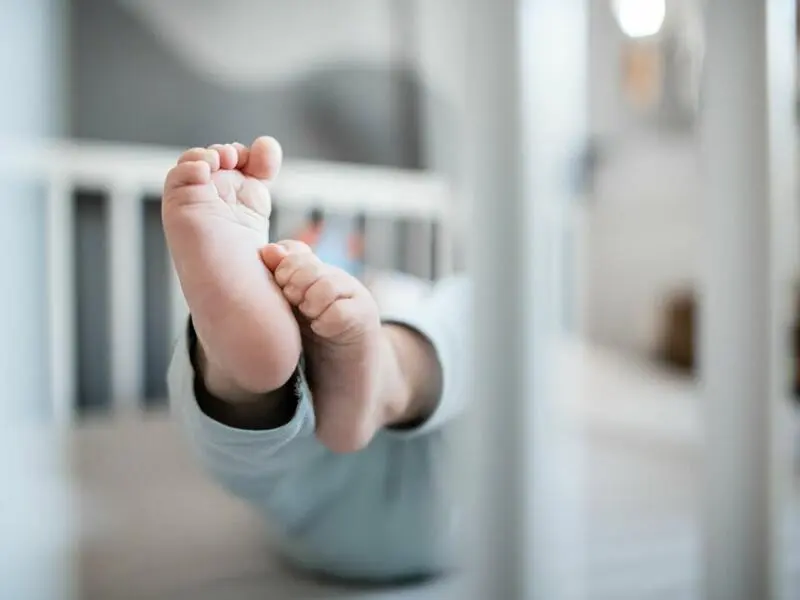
[367,98]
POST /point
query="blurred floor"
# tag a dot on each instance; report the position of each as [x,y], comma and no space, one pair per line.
[156,529]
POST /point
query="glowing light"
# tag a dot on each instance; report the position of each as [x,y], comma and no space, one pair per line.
[640,18]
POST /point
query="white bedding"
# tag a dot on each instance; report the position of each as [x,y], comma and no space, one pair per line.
[394,291]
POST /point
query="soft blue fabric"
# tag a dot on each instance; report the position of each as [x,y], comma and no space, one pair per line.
[382,513]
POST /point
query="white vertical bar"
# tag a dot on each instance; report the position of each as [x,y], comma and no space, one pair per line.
[554,108]
[748,129]
[125,231]
[784,267]
[526,107]
[61,298]
[499,446]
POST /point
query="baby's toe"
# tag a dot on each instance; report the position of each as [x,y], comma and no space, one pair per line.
[208,155]
[188,173]
[273,255]
[342,316]
[264,161]
[228,155]
[292,263]
[242,154]
[324,291]
[302,279]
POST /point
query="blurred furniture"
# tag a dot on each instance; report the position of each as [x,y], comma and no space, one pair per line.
[678,336]
[677,344]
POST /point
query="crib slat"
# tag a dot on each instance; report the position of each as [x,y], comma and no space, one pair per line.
[522,461]
[749,214]
[61,307]
[126,278]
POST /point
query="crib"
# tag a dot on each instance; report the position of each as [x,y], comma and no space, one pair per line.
[127,178]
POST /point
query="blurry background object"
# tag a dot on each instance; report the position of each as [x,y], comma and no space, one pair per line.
[661,58]
[337,239]
[678,336]
[642,75]
[642,227]
[310,232]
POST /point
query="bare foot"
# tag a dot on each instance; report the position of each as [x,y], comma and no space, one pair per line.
[342,340]
[215,211]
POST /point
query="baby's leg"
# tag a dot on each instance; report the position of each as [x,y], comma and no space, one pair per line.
[354,376]
[216,210]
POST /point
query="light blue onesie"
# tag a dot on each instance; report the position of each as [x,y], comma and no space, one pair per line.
[382,513]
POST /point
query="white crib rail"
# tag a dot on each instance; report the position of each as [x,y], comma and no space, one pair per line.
[131,174]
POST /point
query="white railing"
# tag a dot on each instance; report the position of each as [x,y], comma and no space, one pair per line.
[128,176]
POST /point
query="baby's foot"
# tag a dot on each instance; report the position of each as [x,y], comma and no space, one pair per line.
[342,341]
[215,211]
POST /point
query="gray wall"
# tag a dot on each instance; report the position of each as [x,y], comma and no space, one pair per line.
[127,86]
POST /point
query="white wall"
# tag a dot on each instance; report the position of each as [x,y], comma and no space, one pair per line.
[644,238]
[644,228]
